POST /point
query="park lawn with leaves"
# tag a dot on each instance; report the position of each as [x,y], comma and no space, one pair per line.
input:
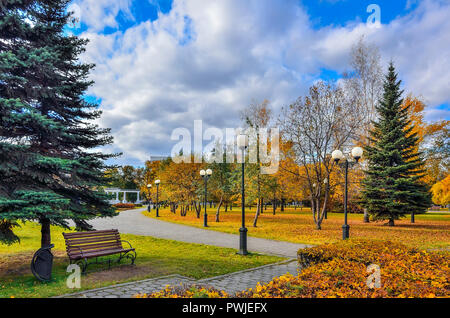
[156,257]
[430,231]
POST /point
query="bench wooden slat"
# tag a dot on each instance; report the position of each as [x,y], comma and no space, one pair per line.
[95,246]
[103,253]
[90,233]
[93,240]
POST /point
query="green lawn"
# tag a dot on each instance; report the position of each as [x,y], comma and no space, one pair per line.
[156,257]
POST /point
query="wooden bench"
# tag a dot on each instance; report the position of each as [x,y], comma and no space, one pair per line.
[81,246]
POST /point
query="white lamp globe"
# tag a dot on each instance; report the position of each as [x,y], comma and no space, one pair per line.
[209,172]
[149,185]
[157,181]
[202,172]
[357,153]
[242,141]
[337,155]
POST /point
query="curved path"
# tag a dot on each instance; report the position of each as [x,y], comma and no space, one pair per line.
[133,222]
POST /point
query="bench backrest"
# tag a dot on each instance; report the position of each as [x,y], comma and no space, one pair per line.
[91,242]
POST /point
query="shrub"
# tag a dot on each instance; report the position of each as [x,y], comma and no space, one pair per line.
[124,206]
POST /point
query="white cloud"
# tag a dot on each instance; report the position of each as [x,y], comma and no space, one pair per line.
[208,59]
[98,14]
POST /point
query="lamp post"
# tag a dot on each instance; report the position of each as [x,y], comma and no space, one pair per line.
[325,182]
[337,155]
[205,175]
[149,187]
[242,143]
[157,182]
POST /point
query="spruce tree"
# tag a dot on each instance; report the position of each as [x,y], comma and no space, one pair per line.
[392,187]
[50,165]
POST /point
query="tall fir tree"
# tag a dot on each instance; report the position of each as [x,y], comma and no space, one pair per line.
[392,187]
[50,170]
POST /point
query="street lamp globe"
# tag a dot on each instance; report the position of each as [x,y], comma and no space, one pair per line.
[157,182]
[149,185]
[202,172]
[242,141]
[209,172]
[325,181]
[337,155]
[314,185]
[357,153]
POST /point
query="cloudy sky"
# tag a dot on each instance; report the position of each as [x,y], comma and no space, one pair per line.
[163,64]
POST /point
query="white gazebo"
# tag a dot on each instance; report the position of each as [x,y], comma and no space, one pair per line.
[124,191]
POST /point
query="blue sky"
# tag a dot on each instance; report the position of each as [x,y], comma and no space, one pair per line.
[163,64]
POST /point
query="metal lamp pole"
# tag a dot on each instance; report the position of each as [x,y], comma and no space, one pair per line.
[157,182]
[242,142]
[345,227]
[337,155]
[205,175]
[149,186]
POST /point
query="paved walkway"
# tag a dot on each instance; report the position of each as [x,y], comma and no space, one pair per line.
[231,283]
[133,222]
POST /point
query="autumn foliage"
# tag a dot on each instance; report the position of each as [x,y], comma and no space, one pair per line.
[441,192]
[340,270]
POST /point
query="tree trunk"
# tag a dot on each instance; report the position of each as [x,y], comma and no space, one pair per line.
[282,205]
[45,232]
[218,209]
[366,216]
[391,222]
[258,206]
[197,208]
[226,207]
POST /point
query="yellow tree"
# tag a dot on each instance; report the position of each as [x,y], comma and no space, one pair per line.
[425,132]
[182,183]
[257,116]
[441,192]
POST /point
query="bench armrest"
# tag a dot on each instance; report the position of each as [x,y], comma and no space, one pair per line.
[127,243]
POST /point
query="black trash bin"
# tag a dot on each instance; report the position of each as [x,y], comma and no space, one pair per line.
[42,263]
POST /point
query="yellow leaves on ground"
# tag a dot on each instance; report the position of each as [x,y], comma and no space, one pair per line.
[429,231]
